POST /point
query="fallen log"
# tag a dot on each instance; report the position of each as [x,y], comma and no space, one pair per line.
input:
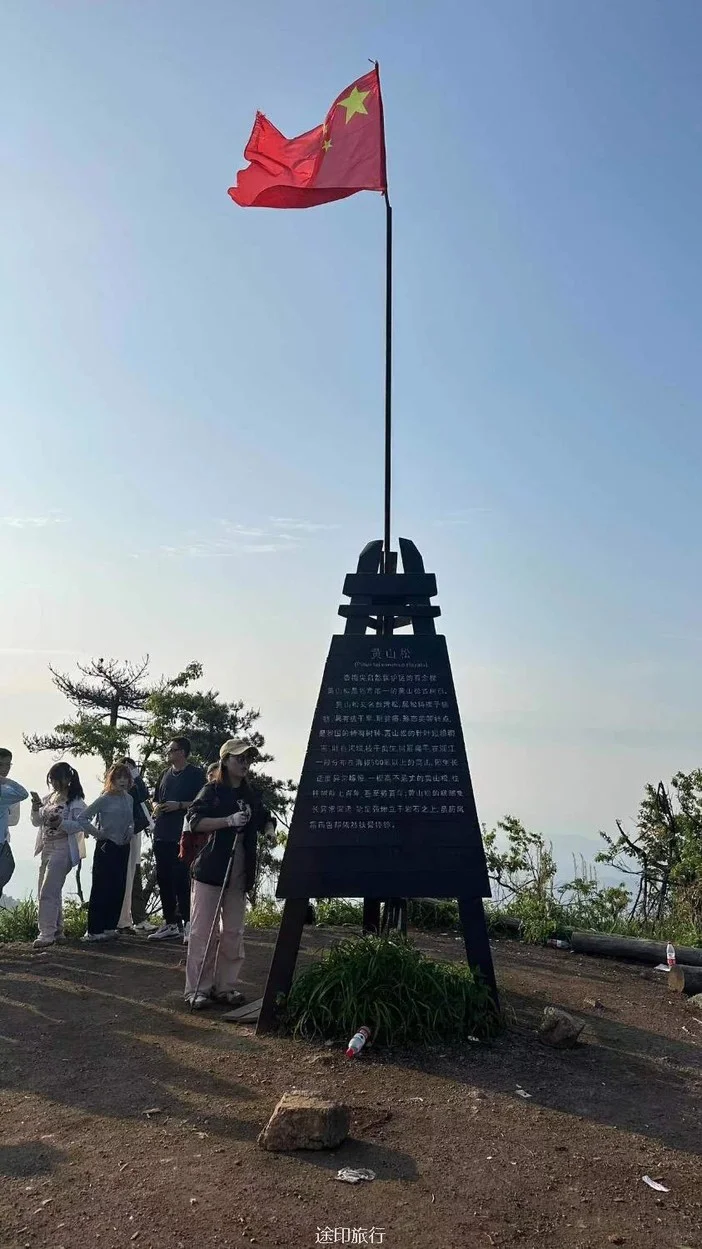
[634,948]
[506,923]
[682,979]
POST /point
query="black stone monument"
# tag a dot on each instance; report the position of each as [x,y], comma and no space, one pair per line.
[385,807]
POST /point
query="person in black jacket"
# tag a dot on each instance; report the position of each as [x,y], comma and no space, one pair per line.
[230,809]
[133,913]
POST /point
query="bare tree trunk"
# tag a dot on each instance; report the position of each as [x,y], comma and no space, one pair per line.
[632,912]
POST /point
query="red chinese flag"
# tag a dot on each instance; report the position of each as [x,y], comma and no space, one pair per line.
[344,155]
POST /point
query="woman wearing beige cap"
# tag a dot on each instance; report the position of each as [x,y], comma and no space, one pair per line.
[230,810]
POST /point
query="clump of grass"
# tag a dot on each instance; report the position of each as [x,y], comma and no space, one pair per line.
[404,997]
[75,919]
[336,912]
[433,913]
[265,914]
[21,923]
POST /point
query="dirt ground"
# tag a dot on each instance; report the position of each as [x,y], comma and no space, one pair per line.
[125,1122]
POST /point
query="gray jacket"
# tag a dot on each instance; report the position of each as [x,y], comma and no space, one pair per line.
[115,818]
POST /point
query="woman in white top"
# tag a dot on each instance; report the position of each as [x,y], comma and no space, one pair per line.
[61,844]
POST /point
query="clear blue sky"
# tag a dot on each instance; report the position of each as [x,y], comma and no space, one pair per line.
[191,394]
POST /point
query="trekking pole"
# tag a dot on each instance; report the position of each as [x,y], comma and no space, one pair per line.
[215,921]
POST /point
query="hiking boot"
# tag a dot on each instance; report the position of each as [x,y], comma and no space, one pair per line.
[42,943]
[165,932]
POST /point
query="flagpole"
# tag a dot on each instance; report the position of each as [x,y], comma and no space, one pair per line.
[387,561]
[388,379]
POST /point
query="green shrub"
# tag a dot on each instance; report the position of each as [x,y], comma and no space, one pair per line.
[403,996]
[21,923]
[75,919]
[335,912]
[266,914]
[433,913]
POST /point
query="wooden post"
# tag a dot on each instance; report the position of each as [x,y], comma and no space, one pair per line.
[477,942]
[282,968]
[371,916]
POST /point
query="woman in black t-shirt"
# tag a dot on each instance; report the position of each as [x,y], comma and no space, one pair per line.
[230,810]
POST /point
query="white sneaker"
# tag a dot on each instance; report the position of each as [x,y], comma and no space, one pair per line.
[198,1001]
[42,943]
[91,937]
[166,930]
[144,926]
[110,932]
[186,933]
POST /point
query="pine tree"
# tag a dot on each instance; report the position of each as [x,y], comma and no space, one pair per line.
[111,697]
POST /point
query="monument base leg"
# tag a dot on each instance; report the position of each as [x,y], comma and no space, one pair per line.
[282,968]
[475,935]
[371,916]
[394,916]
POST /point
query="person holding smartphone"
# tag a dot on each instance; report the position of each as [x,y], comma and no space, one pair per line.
[61,844]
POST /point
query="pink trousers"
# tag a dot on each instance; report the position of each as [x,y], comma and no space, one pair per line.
[226,957]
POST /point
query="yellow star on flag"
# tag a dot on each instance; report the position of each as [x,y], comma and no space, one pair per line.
[326,145]
[354,104]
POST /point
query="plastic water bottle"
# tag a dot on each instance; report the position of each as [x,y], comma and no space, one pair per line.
[670,954]
[357,1042]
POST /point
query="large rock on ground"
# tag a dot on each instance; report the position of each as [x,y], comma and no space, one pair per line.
[559,1029]
[694,1004]
[305,1121]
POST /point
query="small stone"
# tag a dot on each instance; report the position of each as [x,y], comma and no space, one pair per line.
[616,1240]
[594,1003]
[558,1029]
[305,1121]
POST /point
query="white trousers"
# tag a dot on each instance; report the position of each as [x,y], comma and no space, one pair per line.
[223,967]
[125,919]
[55,866]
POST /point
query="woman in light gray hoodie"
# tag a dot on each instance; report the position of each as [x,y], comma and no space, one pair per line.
[114,812]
